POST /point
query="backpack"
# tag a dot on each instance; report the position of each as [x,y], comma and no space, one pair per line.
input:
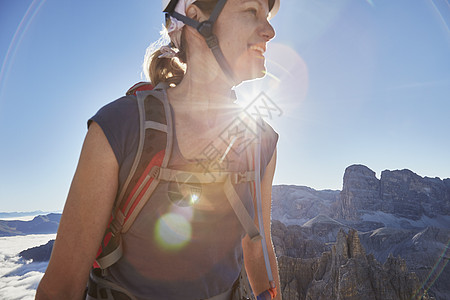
[150,167]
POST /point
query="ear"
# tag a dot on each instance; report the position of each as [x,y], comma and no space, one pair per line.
[195,13]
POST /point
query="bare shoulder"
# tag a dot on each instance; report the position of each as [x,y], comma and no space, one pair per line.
[85,217]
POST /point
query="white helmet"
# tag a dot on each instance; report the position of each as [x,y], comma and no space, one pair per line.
[205,28]
[274,6]
[169,6]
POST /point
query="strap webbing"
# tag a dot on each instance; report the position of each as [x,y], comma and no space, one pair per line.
[126,209]
[107,286]
[140,205]
[259,206]
[147,191]
[155,125]
[240,211]
[194,23]
[205,28]
[188,21]
[222,61]
[137,158]
[111,258]
[167,174]
[217,10]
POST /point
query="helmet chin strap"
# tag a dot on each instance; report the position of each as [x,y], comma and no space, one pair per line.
[205,28]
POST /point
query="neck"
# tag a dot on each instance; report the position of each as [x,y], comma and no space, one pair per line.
[204,84]
[205,89]
[209,102]
[204,78]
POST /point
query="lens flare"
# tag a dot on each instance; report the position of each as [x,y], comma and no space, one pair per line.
[272,76]
[172,232]
[440,17]
[436,271]
[194,199]
[286,80]
[26,21]
[183,193]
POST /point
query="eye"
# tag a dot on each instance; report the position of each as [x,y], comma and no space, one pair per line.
[253,11]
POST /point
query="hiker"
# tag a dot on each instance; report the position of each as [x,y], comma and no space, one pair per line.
[185,203]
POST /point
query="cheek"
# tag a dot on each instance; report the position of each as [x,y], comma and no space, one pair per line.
[235,50]
[232,38]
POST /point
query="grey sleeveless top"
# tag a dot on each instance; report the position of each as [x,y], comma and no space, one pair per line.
[186,241]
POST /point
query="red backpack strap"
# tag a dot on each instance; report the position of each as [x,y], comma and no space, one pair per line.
[140,86]
[154,150]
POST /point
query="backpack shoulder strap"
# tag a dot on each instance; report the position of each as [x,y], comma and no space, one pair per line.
[140,86]
[153,152]
[256,193]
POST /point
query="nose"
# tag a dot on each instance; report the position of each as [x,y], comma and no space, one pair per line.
[267,32]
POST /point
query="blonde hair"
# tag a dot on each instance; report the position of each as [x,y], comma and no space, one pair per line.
[163,69]
[170,70]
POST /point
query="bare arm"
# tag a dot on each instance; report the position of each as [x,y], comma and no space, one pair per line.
[253,255]
[85,217]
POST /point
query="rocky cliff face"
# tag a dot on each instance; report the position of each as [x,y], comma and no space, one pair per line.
[426,252]
[346,272]
[307,241]
[401,214]
[361,190]
[39,253]
[401,193]
[408,195]
[295,205]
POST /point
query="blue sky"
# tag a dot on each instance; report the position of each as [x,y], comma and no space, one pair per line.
[358,81]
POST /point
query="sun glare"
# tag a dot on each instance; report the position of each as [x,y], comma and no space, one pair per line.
[173,232]
[194,198]
[286,81]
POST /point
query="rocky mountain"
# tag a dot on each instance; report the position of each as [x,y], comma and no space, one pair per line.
[307,241]
[347,272]
[400,214]
[400,193]
[425,253]
[39,253]
[400,199]
[294,205]
[39,225]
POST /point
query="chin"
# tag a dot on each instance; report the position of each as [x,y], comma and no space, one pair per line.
[257,74]
[249,67]
[252,72]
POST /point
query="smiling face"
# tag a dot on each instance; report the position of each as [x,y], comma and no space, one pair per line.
[243,31]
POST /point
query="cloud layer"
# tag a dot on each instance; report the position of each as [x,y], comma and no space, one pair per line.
[19,278]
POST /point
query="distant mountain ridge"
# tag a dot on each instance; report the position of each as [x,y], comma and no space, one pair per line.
[16,214]
[401,214]
[400,199]
[401,193]
[42,224]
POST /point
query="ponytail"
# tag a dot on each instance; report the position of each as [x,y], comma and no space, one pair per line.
[170,70]
[159,68]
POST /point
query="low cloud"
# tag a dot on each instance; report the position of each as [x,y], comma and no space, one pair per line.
[19,278]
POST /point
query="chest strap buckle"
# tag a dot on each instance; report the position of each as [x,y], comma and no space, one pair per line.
[242,177]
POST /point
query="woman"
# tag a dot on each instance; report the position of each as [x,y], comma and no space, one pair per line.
[207,263]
